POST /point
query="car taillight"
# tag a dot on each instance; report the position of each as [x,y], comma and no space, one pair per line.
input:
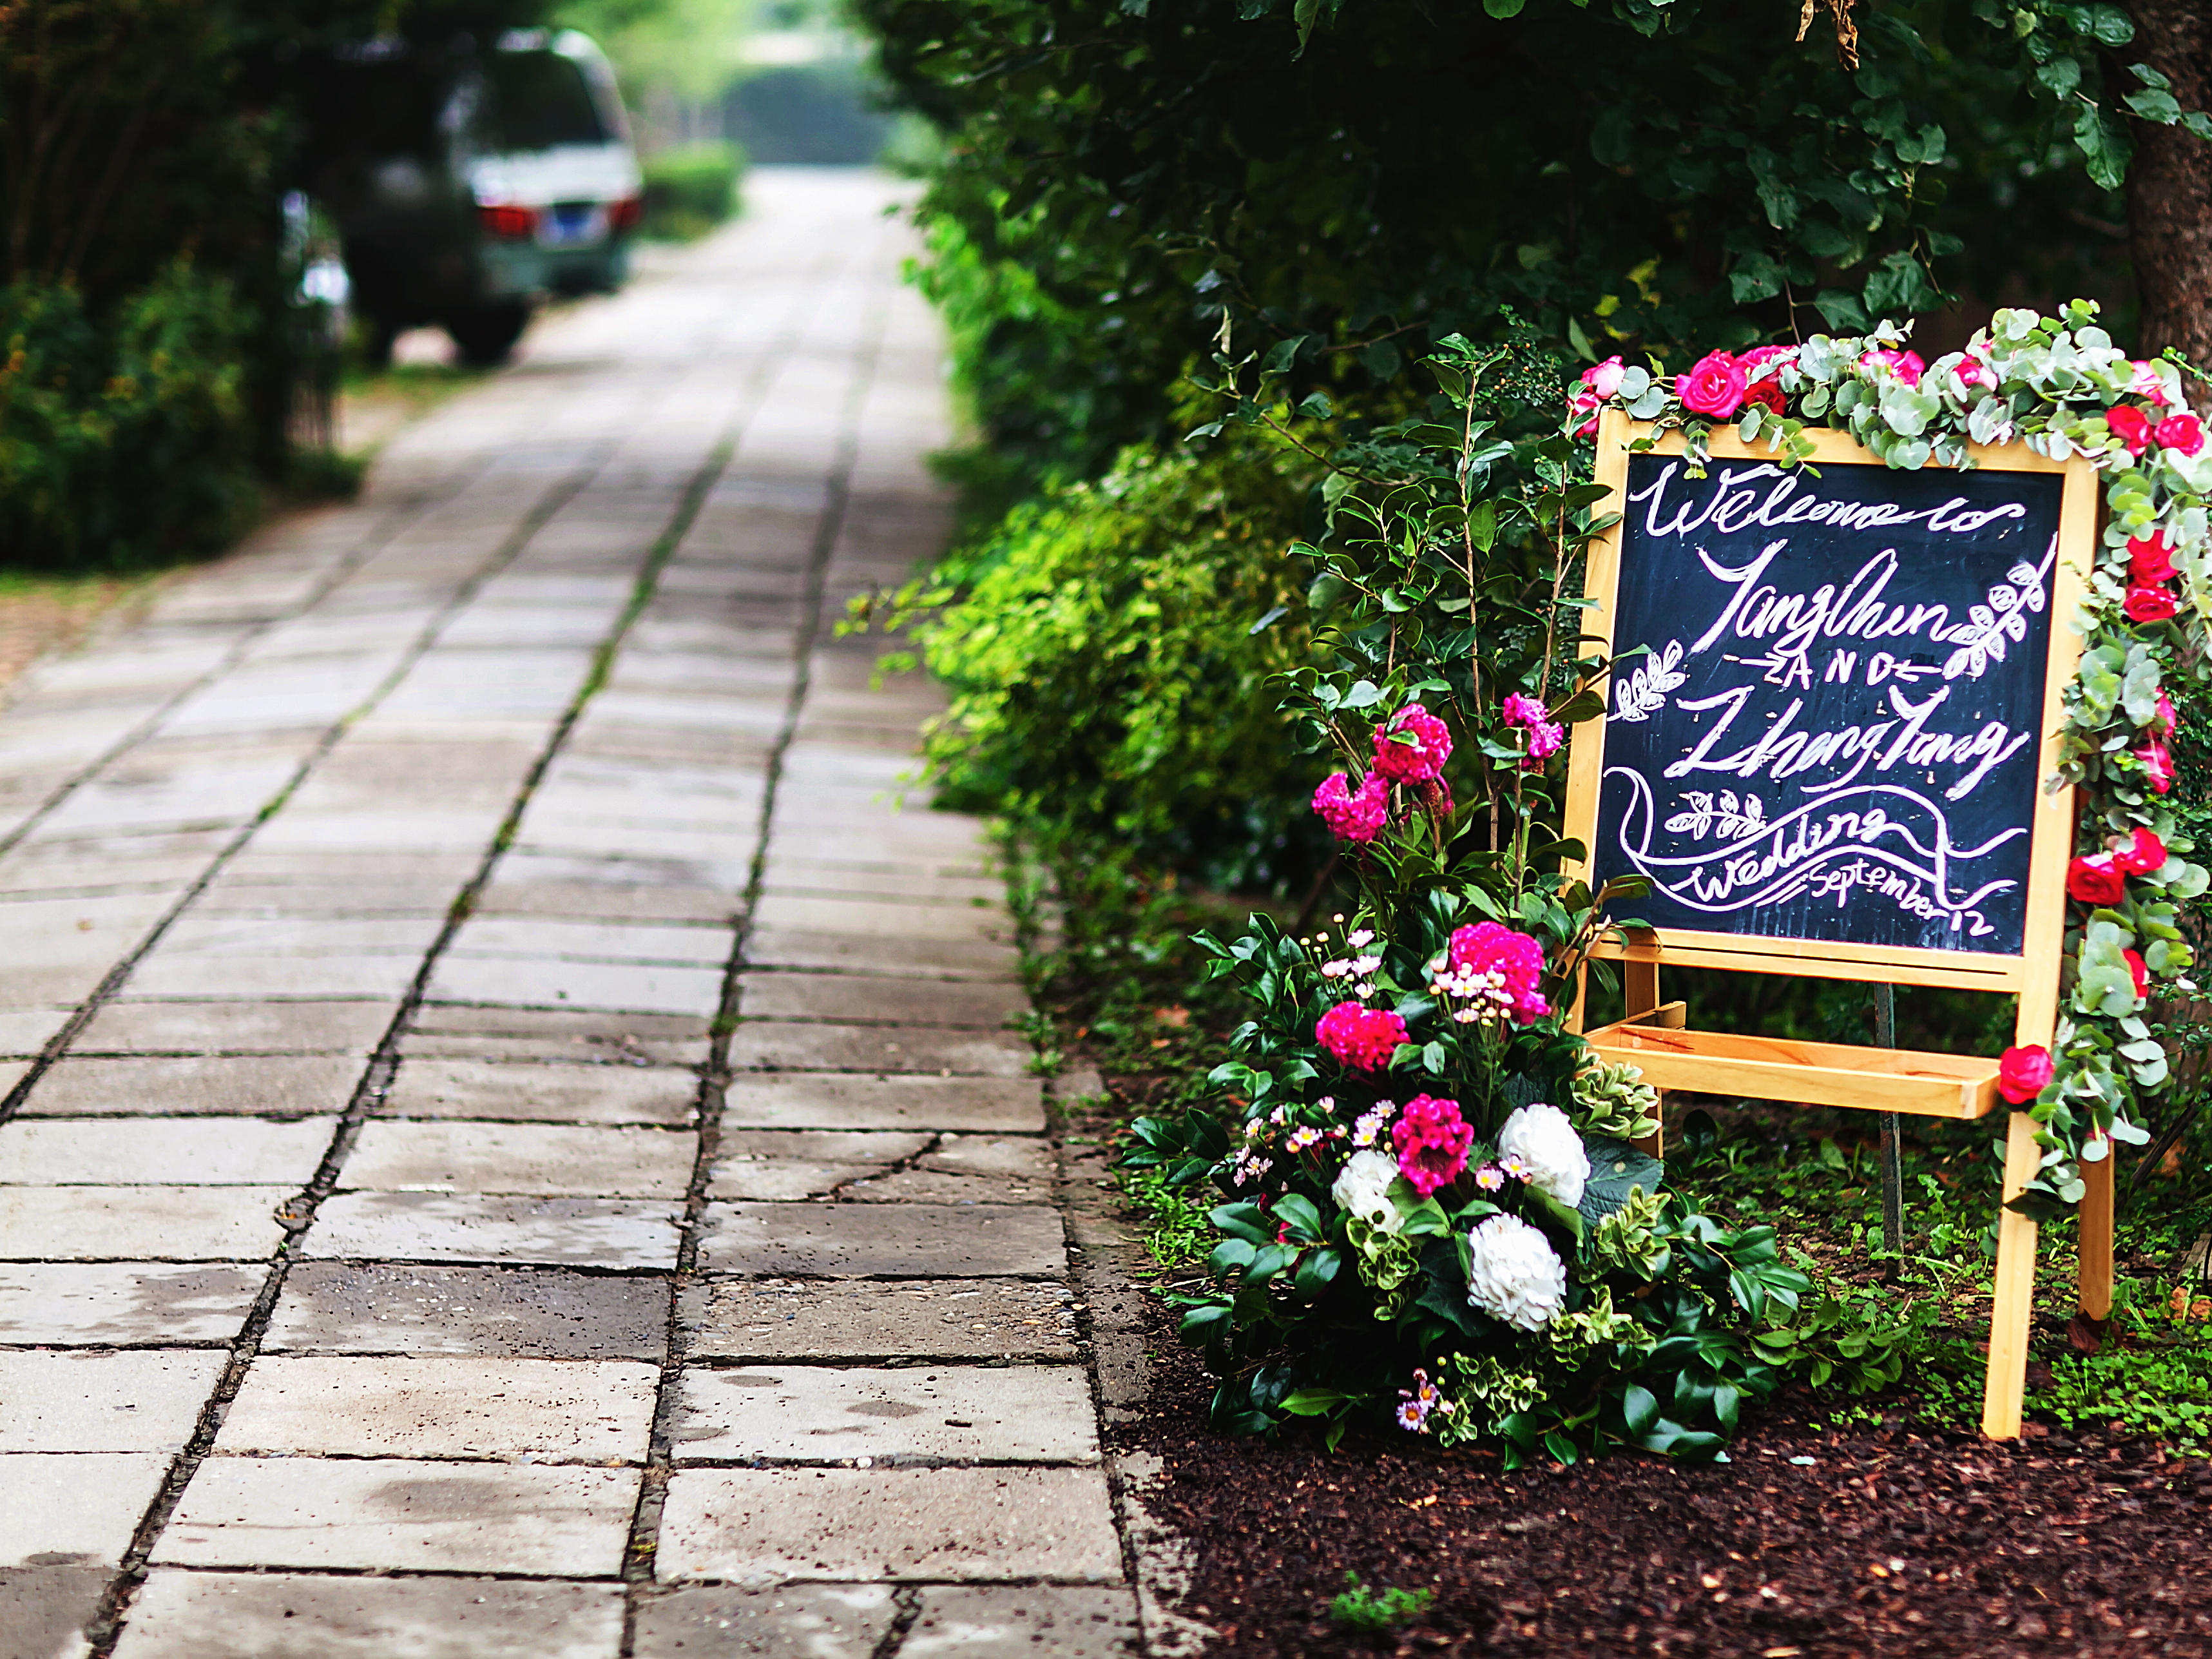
[625,214]
[508,222]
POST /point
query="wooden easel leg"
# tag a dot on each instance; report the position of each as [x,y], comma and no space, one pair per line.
[1639,985]
[2097,1237]
[2014,1302]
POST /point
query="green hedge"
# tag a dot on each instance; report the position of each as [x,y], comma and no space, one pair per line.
[1107,683]
[128,439]
[689,191]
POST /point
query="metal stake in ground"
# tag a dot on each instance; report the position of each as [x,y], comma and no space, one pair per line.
[1893,1162]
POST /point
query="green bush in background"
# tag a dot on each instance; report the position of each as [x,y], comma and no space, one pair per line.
[1107,681]
[689,191]
[128,442]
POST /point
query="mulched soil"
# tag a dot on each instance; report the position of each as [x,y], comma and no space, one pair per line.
[1891,1541]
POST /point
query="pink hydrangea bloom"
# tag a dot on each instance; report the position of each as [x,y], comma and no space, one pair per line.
[1353,815]
[1487,948]
[1361,1037]
[1545,736]
[1413,747]
[1432,1141]
[1905,365]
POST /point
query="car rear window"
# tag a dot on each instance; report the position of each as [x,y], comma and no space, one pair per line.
[540,99]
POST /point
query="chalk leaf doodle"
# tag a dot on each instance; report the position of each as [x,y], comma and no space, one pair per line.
[1644,694]
[1981,641]
[1735,818]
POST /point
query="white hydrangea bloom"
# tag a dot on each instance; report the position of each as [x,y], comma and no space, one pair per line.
[1515,1275]
[1363,1189]
[1545,1141]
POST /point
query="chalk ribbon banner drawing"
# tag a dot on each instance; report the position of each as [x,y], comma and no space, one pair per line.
[1828,759]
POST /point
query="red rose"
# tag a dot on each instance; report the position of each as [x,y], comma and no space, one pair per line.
[1768,394]
[2150,559]
[2130,426]
[2183,432]
[2141,854]
[2096,880]
[2149,604]
[1713,387]
[2157,765]
[2022,1073]
[2137,967]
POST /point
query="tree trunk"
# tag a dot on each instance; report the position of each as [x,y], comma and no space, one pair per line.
[2170,189]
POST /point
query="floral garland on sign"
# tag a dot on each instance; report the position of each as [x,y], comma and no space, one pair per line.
[2060,387]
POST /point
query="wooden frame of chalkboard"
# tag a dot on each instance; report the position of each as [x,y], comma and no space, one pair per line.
[1711,900]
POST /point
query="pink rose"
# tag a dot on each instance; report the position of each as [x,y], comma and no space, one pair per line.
[2022,1073]
[2130,426]
[1544,736]
[2150,559]
[2183,431]
[1433,1140]
[1516,960]
[2141,853]
[1713,387]
[2149,604]
[1353,815]
[2157,765]
[1360,1037]
[2162,722]
[1604,378]
[1905,365]
[1413,747]
[2147,382]
[1973,370]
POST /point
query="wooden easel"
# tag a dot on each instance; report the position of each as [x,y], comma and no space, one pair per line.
[1655,1034]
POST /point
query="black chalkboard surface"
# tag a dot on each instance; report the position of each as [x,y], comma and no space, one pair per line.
[1834,733]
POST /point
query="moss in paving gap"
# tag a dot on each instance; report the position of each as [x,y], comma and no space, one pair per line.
[1120,988]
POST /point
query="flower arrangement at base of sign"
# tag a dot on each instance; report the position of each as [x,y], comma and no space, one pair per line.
[1434,1214]
[2059,387]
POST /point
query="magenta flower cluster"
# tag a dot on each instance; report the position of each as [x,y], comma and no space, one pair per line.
[1413,747]
[1362,1038]
[1544,736]
[1433,1140]
[1354,814]
[1517,959]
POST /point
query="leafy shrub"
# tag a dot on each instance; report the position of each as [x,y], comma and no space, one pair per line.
[121,444]
[689,191]
[1107,681]
[1362,1606]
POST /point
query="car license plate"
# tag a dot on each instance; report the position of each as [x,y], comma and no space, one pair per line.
[572,224]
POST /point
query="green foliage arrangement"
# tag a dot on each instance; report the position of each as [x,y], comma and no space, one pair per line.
[1365,1607]
[129,443]
[1106,679]
[689,191]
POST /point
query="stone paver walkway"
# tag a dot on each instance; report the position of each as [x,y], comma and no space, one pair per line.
[511,1143]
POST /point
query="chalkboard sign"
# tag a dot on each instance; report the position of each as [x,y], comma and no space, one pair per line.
[1831,744]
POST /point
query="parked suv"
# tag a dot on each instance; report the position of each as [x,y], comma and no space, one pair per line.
[470,183]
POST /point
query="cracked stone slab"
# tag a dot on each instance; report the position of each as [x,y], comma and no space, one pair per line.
[859,953]
[942,1187]
[235,1028]
[139,1401]
[800,1621]
[63,1509]
[940,1413]
[873,1240]
[755,1528]
[225,1615]
[140,1224]
[623,940]
[876,919]
[400,1515]
[611,1233]
[537,1313]
[25,1030]
[614,987]
[516,1091]
[124,1304]
[172,1151]
[787,1164]
[544,1159]
[875,1319]
[443,1405]
[979,1004]
[989,1622]
[274,1086]
[795,1045]
[828,1101]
